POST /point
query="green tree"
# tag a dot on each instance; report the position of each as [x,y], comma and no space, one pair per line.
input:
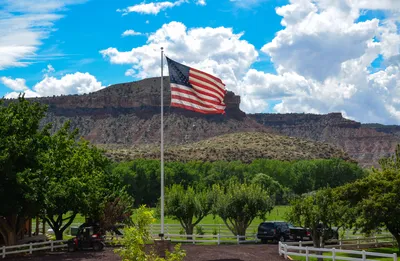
[21,142]
[320,211]
[74,179]
[138,236]
[238,204]
[273,186]
[187,206]
[376,198]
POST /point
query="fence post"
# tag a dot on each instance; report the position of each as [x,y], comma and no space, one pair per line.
[307,253]
[255,238]
[30,248]
[219,238]
[285,247]
[51,245]
[364,256]
[358,242]
[4,252]
[394,256]
[193,240]
[340,244]
[237,238]
[333,254]
[376,241]
[280,248]
[300,245]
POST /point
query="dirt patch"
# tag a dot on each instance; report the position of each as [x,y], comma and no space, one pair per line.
[194,253]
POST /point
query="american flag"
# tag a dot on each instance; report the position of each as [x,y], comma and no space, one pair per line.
[195,90]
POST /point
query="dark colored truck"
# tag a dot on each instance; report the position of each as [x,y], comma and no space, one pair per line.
[299,233]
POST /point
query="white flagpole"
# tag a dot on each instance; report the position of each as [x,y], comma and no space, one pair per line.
[162,144]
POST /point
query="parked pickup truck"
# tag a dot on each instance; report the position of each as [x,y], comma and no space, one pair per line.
[299,233]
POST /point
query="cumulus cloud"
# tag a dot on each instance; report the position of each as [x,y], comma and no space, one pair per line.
[130,32]
[323,60]
[151,8]
[23,26]
[201,2]
[17,84]
[218,51]
[76,83]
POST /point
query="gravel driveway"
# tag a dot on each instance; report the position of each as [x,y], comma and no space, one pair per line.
[194,253]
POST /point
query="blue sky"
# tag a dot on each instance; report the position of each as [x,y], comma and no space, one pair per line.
[313,56]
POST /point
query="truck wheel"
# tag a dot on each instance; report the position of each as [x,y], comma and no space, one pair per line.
[71,248]
[98,246]
[282,239]
[264,241]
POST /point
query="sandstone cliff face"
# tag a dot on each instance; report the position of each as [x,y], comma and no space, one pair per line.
[128,114]
[366,145]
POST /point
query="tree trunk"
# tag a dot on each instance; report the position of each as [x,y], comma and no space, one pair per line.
[8,228]
[58,234]
[189,231]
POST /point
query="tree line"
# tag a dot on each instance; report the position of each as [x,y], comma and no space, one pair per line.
[367,205]
[284,178]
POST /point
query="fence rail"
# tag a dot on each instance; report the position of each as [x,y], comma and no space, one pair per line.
[286,250]
[352,243]
[31,247]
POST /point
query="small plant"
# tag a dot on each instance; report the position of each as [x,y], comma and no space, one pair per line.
[199,230]
[182,231]
[215,231]
[136,237]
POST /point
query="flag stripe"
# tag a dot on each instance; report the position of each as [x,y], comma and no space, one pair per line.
[178,90]
[203,84]
[199,94]
[208,91]
[207,74]
[206,78]
[195,100]
[193,107]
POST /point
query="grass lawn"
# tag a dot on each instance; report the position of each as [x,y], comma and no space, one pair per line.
[385,250]
[278,213]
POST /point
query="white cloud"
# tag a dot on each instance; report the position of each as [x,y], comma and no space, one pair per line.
[247,3]
[17,84]
[323,60]
[218,51]
[49,69]
[201,2]
[151,8]
[130,32]
[23,26]
[77,83]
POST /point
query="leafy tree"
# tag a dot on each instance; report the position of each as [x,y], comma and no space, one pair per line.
[116,209]
[136,237]
[74,179]
[320,212]
[273,186]
[187,206]
[239,204]
[20,144]
[376,198]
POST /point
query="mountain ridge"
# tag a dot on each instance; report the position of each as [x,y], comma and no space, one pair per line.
[128,114]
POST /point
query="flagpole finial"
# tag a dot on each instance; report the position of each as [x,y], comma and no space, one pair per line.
[162,48]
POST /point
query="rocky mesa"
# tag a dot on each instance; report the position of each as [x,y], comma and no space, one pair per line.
[128,115]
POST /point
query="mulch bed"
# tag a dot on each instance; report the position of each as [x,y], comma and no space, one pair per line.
[194,253]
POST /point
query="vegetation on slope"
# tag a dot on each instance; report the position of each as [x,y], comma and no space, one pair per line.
[244,147]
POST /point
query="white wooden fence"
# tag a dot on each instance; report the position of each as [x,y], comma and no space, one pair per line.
[352,243]
[31,247]
[290,250]
[206,228]
[194,239]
